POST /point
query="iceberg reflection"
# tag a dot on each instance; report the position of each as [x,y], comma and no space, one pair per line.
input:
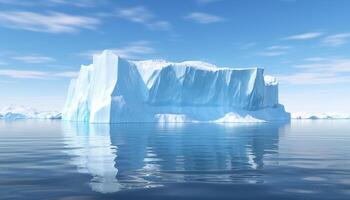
[92,152]
[127,156]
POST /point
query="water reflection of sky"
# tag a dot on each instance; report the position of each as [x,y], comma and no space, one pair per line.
[125,156]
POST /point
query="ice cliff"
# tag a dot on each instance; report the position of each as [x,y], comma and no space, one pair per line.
[113,89]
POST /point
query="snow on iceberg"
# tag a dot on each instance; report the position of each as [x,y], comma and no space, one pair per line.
[113,90]
[15,112]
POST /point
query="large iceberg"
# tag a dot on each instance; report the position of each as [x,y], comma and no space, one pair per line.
[114,90]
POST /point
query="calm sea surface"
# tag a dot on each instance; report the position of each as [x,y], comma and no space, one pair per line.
[61,160]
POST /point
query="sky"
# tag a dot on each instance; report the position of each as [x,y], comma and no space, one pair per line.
[305,44]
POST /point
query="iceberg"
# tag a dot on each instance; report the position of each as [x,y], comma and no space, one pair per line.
[15,112]
[48,115]
[115,90]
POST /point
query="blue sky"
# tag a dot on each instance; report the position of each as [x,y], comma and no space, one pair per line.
[305,44]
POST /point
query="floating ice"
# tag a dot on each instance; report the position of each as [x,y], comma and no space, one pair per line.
[327,115]
[113,90]
[15,112]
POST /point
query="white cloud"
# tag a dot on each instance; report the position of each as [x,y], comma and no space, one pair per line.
[315,59]
[336,40]
[66,74]
[53,22]
[245,45]
[77,3]
[31,74]
[320,71]
[275,50]
[204,18]
[272,53]
[304,36]
[135,48]
[143,16]
[15,2]
[278,47]
[129,51]
[329,65]
[22,74]
[138,14]
[34,59]
[159,25]
[313,78]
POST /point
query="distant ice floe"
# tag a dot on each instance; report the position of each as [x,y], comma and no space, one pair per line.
[314,116]
[15,112]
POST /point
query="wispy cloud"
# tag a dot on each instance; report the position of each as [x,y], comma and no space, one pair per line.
[308,78]
[135,48]
[50,3]
[336,40]
[271,53]
[66,74]
[131,50]
[304,36]
[204,18]
[34,59]
[77,3]
[138,14]
[278,47]
[315,59]
[144,16]
[275,50]
[3,63]
[327,65]
[15,2]
[52,22]
[320,71]
[29,74]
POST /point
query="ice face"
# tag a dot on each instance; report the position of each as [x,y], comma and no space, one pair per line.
[114,90]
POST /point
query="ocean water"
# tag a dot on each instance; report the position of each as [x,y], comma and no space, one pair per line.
[60,160]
